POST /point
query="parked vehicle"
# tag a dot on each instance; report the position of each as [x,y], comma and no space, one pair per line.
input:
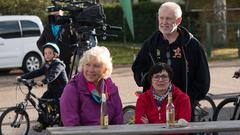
[18,37]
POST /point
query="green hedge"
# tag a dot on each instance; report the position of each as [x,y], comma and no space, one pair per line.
[144,16]
[145,20]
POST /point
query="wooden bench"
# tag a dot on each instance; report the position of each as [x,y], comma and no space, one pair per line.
[147,129]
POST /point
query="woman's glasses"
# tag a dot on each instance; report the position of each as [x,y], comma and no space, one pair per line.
[162,77]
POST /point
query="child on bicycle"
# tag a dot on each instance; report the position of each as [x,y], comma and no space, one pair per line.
[55,78]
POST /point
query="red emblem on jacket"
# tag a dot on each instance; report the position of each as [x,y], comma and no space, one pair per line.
[177,53]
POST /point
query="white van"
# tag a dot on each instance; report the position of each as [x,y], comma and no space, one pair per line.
[18,38]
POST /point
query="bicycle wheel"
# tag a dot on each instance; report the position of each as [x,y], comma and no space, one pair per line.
[14,121]
[225,111]
[204,109]
[128,114]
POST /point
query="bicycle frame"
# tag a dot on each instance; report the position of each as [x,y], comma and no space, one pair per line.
[23,105]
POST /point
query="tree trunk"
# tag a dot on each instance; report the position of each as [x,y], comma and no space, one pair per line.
[220,29]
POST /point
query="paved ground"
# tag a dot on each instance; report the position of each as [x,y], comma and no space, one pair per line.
[222,84]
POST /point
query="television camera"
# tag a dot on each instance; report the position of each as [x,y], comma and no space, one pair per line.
[86,20]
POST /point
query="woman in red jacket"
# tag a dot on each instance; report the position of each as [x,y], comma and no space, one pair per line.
[151,105]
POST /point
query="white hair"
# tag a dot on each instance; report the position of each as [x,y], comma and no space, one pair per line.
[173,6]
[102,55]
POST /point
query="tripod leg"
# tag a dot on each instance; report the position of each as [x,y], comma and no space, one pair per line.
[73,63]
[78,57]
[77,63]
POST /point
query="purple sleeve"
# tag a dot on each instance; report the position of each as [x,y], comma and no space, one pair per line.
[69,106]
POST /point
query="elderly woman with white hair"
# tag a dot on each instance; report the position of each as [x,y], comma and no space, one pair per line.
[81,100]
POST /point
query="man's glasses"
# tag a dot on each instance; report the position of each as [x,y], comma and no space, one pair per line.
[157,77]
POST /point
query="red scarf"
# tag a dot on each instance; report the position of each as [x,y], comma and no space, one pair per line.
[96,94]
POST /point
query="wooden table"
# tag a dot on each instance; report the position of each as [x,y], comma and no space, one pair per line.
[147,129]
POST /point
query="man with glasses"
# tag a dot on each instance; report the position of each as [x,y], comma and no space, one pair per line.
[178,48]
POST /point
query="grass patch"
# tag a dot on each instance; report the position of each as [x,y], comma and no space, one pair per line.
[121,54]
[224,54]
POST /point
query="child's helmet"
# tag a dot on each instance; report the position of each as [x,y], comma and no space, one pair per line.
[53,46]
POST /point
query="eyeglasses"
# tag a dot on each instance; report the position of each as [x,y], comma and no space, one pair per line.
[157,77]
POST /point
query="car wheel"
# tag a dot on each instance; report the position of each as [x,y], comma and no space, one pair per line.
[31,62]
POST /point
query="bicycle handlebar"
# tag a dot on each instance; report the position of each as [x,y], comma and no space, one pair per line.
[27,82]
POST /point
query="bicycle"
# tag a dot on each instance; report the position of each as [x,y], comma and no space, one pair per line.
[203,110]
[16,119]
[228,109]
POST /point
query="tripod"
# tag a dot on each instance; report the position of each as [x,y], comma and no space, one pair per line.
[88,40]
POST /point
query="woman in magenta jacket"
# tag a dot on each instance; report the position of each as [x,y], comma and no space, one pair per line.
[151,105]
[81,99]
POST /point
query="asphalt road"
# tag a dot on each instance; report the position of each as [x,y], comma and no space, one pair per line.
[222,84]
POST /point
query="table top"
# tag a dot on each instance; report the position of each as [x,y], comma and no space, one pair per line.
[147,129]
